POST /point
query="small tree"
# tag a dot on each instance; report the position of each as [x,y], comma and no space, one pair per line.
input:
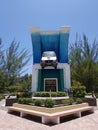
[78,90]
[14,61]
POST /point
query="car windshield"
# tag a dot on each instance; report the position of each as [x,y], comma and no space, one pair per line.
[49,54]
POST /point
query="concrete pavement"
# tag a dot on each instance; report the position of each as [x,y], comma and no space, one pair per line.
[12,122]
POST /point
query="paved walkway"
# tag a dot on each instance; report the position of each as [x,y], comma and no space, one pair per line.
[12,122]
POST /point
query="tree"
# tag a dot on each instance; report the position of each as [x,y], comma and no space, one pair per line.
[13,62]
[2,77]
[25,82]
[1,55]
[84,62]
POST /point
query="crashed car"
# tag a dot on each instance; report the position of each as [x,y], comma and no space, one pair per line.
[49,58]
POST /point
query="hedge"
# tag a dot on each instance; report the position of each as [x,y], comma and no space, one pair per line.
[48,94]
[49,103]
[25,100]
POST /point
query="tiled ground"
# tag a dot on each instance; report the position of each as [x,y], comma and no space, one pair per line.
[12,122]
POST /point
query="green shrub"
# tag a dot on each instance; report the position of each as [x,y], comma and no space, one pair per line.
[53,94]
[89,94]
[38,102]
[79,101]
[26,94]
[37,94]
[13,94]
[21,101]
[45,94]
[49,103]
[1,96]
[71,101]
[25,100]
[20,95]
[67,101]
[96,95]
[78,90]
[48,94]
[61,94]
[23,95]
[15,88]
[41,94]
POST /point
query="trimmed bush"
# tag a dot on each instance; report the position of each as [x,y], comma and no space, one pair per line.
[38,102]
[71,101]
[79,100]
[25,100]
[23,95]
[67,101]
[45,94]
[53,94]
[41,94]
[48,94]
[49,103]
[61,94]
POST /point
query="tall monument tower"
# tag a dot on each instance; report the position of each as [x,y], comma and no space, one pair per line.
[50,78]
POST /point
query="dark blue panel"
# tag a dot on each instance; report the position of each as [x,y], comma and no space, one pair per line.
[57,42]
[50,42]
[64,47]
[36,47]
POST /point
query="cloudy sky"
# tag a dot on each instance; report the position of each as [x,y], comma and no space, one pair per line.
[18,16]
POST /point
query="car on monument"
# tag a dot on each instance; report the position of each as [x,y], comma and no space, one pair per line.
[49,58]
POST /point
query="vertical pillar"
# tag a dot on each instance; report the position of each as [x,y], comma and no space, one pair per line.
[55,120]
[78,114]
[36,43]
[64,37]
[35,79]
[22,114]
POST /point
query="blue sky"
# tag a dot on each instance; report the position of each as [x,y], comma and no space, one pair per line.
[17,16]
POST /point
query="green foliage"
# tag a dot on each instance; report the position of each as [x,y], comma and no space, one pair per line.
[71,101]
[88,94]
[41,94]
[1,96]
[2,82]
[23,94]
[61,94]
[49,103]
[15,88]
[12,61]
[78,90]
[84,63]
[13,94]
[38,102]
[79,100]
[20,95]
[96,95]
[68,101]
[25,100]
[53,94]
[25,82]
[48,94]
